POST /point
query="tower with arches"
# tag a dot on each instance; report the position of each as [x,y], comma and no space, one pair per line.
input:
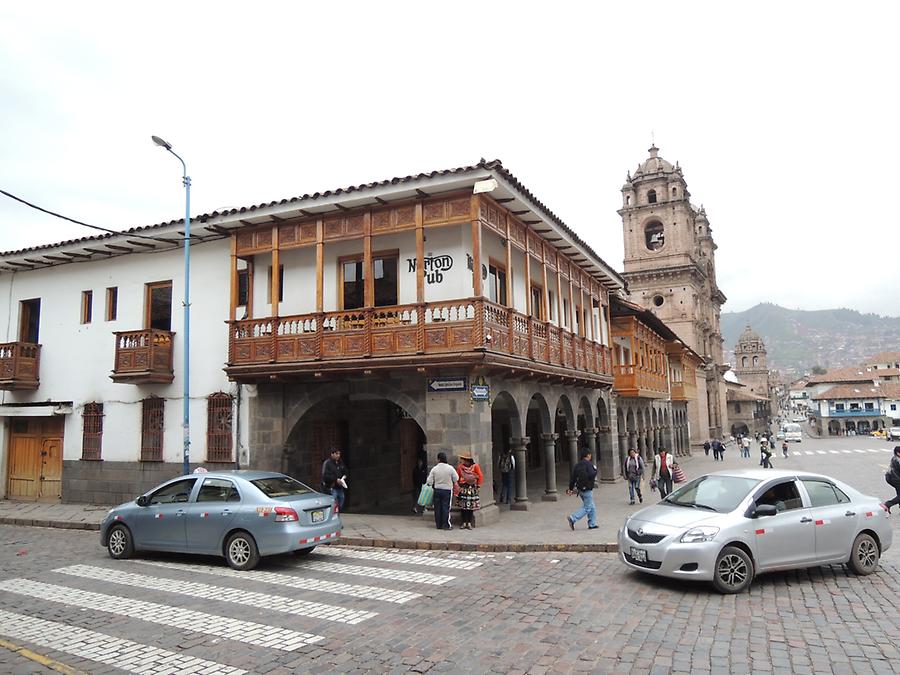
[670,269]
[750,362]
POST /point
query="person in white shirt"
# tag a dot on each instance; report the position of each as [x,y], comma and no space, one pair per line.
[663,468]
[442,478]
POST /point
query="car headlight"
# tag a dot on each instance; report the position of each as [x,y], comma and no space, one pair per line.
[699,534]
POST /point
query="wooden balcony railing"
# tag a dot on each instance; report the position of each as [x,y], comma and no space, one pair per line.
[431,328]
[143,357]
[19,365]
[637,382]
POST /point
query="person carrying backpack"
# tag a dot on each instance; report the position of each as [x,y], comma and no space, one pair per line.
[634,472]
[507,467]
[582,483]
[893,479]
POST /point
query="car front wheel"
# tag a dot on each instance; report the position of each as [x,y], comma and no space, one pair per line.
[864,554]
[241,552]
[733,572]
[119,544]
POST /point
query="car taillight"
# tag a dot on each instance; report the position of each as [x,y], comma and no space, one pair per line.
[283,514]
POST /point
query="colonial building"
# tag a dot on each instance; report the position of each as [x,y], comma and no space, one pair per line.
[856,409]
[748,413]
[670,270]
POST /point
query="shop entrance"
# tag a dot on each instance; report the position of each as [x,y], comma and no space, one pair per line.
[35,459]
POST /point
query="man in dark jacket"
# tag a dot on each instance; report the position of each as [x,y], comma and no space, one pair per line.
[893,479]
[419,475]
[583,476]
[334,478]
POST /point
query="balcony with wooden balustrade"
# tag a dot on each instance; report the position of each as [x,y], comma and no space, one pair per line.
[19,365]
[383,337]
[644,374]
[143,357]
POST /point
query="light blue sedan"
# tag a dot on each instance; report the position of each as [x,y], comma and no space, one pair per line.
[241,515]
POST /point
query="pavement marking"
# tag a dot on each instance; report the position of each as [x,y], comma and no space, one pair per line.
[808,452]
[873,450]
[373,572]
[278,603]
[862,452]
[131,657]
[405,558]
[835,452]
[847,452]
[885,449]
[173,617]
[291,581]
[821,452]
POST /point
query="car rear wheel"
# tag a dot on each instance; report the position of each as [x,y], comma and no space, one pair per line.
[864,554]
[241,552]
[733,572]
[304,551]
[119,544]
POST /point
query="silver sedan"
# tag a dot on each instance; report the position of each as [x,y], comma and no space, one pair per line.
[241,515]
[729,526]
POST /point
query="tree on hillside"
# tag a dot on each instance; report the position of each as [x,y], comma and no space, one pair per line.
[818,370]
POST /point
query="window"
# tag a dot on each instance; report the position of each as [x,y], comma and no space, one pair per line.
[783,496]
[627,200]
[174,493]
[854,406]
[244,287]
[893,406]
[755,361]
[92,418]
[29,320]
[566,312]
[674,191]
[537,303]
[281,486]
[839,407]
[745,362]
[386,280]
[218,490]
[737,407]
[870,406]
[823,493]
[654,235]
[280,284]
[651,197]
[658,300]
[152,425]
[497,284]
[551,303]
[87,306]
[112,303]
[218,428]
[158,306]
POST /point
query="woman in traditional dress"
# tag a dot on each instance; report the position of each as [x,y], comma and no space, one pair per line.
[470,481]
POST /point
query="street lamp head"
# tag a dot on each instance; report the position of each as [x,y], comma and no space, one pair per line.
[161,143]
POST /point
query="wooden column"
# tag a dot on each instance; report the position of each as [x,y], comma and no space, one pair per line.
[232,312]
[368,278]
[476,247]
[420,278]
[276,254]
[509,289]
[559,302]
[545,298]
[527,276]
[320,266]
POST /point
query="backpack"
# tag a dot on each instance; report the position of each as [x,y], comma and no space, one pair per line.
[506,463]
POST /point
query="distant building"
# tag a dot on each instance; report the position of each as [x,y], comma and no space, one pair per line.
[849,409]
[884,361]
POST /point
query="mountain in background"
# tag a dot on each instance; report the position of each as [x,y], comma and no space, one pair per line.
[796,340]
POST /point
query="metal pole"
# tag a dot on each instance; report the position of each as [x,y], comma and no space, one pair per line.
[187,321]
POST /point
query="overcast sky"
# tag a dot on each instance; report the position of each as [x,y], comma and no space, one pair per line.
[782,115]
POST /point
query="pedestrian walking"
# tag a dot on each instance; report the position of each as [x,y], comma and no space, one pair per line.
[717,449]
[470,480]
[766,453]
[634,473]
[584,474]
[419,476]
[663,466]
[784,449]
[893,479]
[745,446]
[442,478]
[507,466]
[706,447]
[334,478]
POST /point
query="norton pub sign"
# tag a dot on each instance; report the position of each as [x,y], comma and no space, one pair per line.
[434,267]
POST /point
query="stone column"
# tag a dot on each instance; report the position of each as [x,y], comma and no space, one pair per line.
[572,442]
[591,438]
[550,492]
[518,446]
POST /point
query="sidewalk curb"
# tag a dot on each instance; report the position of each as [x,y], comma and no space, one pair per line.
[59,524]
[481,548]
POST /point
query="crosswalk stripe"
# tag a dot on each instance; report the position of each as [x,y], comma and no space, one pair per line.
[885,449]
[873,450]
[834,452]
[821,452]
[374,572]
[862,452]
[405,558]
[291,581]
[808,452]
[847,452]
[173,617]
[279,603]
[129,656]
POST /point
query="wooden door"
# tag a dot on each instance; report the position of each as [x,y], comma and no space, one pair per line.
[50,488]
[409,450]
[35,459]
[24,467]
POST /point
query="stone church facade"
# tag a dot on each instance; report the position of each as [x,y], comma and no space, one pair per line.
[670,269]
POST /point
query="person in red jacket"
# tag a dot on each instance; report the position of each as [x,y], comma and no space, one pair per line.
[470,480]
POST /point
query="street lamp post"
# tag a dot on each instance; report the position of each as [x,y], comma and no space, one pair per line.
[186,424]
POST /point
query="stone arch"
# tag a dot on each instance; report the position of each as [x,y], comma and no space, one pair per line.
[587,412]
[564,405]
[538,404]
[375,389]
[506,401]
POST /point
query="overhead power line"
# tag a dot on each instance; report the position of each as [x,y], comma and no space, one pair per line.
[79,222]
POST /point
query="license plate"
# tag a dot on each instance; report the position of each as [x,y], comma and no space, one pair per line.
[639,554]
[318,516]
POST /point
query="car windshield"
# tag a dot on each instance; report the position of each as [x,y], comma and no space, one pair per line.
[281,486]
[714,493]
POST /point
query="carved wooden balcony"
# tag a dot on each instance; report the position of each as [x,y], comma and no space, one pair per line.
[143,357]
[19,365]
[636,382]
[412,331]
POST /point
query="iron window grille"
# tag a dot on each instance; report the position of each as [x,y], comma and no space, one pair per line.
[152,425]
[218,428]
[92,440]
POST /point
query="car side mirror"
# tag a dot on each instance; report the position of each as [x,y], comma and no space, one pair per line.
[143,500]
[764,510]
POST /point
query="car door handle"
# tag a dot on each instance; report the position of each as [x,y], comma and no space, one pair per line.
[226,512]
[806,520]
[850,513]
[179,512]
